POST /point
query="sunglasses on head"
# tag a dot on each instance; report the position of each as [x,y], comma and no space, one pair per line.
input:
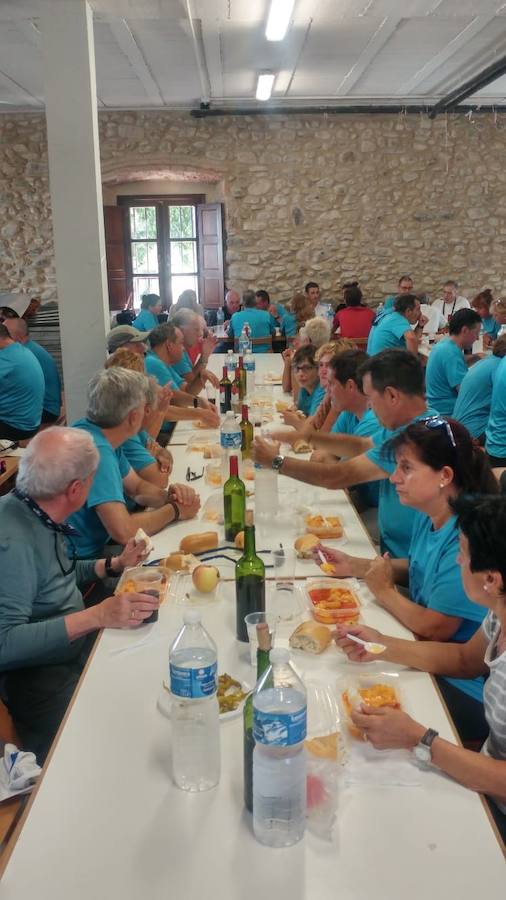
[439,422]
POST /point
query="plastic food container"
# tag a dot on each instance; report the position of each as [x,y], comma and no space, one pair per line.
[198,440]
[214,474]
[212,510]
[376,689]
[333,600]
[126,583]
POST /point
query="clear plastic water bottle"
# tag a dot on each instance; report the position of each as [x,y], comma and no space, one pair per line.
[231,363]
[194,707]
[249,366]
[220,319]
[230,442]
[244,340]
[279,762]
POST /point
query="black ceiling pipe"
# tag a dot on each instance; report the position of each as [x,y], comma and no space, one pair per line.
[455,97]
[337,110]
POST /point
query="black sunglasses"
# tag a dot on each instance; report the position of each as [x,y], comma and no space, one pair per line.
[439,422]
[73,561]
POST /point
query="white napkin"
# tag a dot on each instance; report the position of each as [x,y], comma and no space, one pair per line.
[365,765]
[18,772]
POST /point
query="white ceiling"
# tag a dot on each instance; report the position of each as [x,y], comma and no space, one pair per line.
[174,53]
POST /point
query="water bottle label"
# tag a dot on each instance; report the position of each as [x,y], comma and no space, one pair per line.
[231,440]
[193,683]
[249,365]
[279,729]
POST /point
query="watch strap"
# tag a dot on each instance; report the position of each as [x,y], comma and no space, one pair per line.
[429,737]
[109,571]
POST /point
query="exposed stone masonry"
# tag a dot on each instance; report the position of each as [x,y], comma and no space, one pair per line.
[306,197]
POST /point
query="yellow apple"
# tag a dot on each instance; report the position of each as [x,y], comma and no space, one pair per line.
[205,578]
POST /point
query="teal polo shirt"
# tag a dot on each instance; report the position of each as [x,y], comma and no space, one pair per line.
[261,324]
[52,393]
[445,372]
[145,321]
[107,487]
[491,327]
[163,373]
[22,388]
[367,426]
[495,442]
[309,403]
[289,325]
[472,407]
[435,582]
[138,456]
[388,333]
[184,366]
[395,520]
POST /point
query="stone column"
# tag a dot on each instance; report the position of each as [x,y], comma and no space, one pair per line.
[76,193]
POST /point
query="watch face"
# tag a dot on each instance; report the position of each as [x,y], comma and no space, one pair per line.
[422,753]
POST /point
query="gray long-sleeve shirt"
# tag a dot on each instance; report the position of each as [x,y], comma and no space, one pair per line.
[35,594]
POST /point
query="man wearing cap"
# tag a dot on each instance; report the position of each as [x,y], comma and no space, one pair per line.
[129,337]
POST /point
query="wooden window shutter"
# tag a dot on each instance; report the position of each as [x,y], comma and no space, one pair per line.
[210,248]
[118,278]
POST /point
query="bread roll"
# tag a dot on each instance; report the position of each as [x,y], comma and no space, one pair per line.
[239,540]
[178,562]
[311,637]
[199,543]
[140,535]
[324,527]
[305,544]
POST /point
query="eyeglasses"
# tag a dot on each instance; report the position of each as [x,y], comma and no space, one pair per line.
[439,422]
[304,368]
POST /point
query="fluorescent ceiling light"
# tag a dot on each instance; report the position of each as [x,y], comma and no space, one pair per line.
[264,86]
[279,19]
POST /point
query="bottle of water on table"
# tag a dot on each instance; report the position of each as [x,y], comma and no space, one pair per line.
[220,319]
[194,707]
[230,442]
[231,363]
[244,340]
[249,366]
[279,762]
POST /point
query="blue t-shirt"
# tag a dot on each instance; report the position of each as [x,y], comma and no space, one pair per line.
[261,324]
[159,370]
[445,371]
[395,520]
[136,453]
[348,423]
[184,366]
[309,403]
[107,487]
[52,393]
[289,324]
[472,407]
[22,388]
[495,442]
[388,333]
[435,582]
[491,327]
[145,321]
[388,305]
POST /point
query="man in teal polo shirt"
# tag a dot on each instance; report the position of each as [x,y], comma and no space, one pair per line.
[495,440]
[446,366]
[393,384]
[191,326]
[260,322]
[394,331]
[166,349]
[18,330]
[116,406]
[22,390]
[474,400]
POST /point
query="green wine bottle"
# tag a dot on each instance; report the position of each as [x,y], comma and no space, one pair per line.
[249,580]
[242,380]
[225,393]
[234,501]
[263,649]
[246,434]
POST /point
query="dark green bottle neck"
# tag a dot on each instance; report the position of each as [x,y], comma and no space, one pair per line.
[262,662]
[249,541]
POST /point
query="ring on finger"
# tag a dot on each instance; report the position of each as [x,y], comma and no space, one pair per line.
[132,614]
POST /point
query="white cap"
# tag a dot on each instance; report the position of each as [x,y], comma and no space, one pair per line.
[192,616]
[279,655]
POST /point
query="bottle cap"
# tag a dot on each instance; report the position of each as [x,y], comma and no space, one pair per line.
[192,616]
[279,655]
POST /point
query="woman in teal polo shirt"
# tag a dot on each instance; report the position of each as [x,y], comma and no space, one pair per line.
[151,308]
[482,303]
[437,460]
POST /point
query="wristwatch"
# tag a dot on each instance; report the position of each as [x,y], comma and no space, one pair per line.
[277,462]
[423,750]
[109,571]
[195,402]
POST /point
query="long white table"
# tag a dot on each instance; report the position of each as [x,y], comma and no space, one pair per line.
[107,821]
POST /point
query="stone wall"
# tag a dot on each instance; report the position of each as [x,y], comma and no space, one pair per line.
[306,197]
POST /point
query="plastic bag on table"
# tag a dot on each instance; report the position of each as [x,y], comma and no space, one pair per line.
[212,510]
[322,795]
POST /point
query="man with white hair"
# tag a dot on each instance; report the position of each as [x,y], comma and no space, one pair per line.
[116,406]
[21,390]
[45,631]
[190,324]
